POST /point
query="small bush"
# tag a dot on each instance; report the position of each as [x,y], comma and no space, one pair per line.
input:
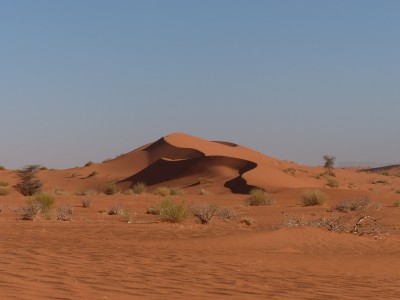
[86,193]
[30,211]
[89,163]
[4,192]
[175,191]
[332,183]
[29,184]
[45,201]
[115,210]
[397,203]
[228,214]
[43,168]
[173,211]
[397,191]
[203,192]
[204,212]
[153,211]
[86,203]
[2,168]
[248,221]
[3,183]
[127,217]
[163,191]
[111,189]
[94,173]
[362,203]
[290,171]
[315,197]
[259,197]
[139,188]
[65,212]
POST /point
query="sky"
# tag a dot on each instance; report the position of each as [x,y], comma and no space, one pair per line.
[84,80]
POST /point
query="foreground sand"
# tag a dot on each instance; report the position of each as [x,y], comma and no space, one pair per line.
[97,256]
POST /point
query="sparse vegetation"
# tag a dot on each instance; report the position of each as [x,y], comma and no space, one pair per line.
[29,184]
[397,203]
[259,197]
[111,189]
[128,217]
[290,171]
[175,191]
[94,173]
[116,209]
[153,211]
[30,211]
[139,188]
[2,168]
[315,197]
[205,211]
[228,214]
[173,211]
[4,192]
[332,183]
[86,193]
[86,203]
[43,168]
[65,212]
[362,203]
[3,183]
[163,191]
[89,163]
[45,200]
[397,191]
[329,164]
[248,220]
[203,192]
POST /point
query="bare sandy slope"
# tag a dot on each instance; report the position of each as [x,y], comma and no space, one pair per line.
[98,256]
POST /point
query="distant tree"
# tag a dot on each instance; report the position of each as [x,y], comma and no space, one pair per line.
[329,163]
[29,184]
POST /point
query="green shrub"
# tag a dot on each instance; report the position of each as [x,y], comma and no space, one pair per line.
[332,183]
[3,183]
[44,200]
[111,189]
[175,191]
[89,163]
[314,197]
[4,192]
[163,191]
[29,184]
[204,212]
[139,188]
[173,211]
[153,211]
[259,197]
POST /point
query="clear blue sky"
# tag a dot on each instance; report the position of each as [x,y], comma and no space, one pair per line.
[87,80]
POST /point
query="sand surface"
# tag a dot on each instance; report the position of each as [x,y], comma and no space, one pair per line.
[100,256]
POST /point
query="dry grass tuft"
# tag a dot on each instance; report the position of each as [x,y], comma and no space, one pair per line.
[173,211]
[314,197]
[259,197]
[204,212]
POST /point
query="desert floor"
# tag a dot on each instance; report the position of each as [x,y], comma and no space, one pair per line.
[99,256]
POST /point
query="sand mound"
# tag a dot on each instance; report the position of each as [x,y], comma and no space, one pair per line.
[186,161]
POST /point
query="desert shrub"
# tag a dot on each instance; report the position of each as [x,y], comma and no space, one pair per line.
[314,197]
[329,163]
[3,183]
[127,217]
[259,197]
[397,191]
[2,168]
[163,191]
[86,203]
[173,211]
[45,201]
[204,212]
[290,171]
[86,193]
[65,212]
[203,192]
[29,184]
[153,211]
[139,188]
[128,192]
[116,209]
[228,214]
[89,163]
[94,173]
[175,191]
[43,168]
[111,189]
[4,192]
[332,183]
[30,211]
[362,203]
[248,220]
[397,203]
